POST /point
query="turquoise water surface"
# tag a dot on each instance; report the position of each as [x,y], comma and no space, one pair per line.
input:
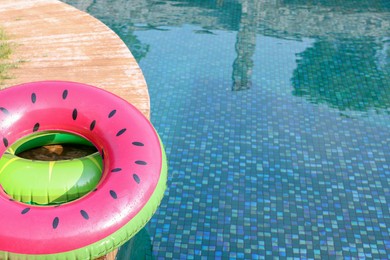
[276,120]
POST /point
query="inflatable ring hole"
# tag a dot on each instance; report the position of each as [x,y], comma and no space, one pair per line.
[57,152]
[50,168]
[54,147]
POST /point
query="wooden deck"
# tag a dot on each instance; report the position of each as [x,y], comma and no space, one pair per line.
[54,41]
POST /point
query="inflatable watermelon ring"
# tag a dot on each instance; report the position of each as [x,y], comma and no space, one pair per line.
[133,179]
[48,182]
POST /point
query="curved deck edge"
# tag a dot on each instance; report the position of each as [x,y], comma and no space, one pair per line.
[55,41]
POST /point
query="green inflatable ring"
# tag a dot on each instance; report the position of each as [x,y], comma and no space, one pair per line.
[48,182]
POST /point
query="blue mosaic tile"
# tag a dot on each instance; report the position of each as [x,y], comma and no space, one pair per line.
[275,117]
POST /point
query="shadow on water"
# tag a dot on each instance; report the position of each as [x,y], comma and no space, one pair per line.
[139,247]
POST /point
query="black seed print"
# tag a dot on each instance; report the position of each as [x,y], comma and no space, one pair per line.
[65,94]
[112,113]
[141,162]
[56,206]
[92,126]
[4,110]
[120,132]
[116,170]
[138,144]
[102,154]
[33,97]
[56,221]
[84,214]
[5,142]
[36,127]
[95,189]
[113,194]
[136,178]
[25,210]
[74,114]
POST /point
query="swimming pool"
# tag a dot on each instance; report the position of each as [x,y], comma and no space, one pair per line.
[276,120]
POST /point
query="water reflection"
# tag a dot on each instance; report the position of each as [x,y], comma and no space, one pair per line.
[337,29]
[245,46]
[273,168]
[352,75]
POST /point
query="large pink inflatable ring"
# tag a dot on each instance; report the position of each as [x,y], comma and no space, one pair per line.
[133,179]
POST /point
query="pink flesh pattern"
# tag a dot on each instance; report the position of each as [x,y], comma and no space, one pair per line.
[132,165]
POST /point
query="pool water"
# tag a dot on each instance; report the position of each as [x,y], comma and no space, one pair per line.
[275,116]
